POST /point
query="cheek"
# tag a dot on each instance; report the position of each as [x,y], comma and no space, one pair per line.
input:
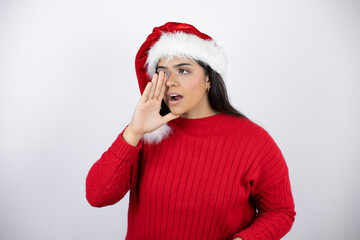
[196,86]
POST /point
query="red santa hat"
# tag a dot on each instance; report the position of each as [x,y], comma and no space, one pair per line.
[175,40]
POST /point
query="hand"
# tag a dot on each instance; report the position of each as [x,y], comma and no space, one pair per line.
[146,117]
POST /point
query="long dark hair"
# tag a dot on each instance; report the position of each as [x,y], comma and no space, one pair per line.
[218,96]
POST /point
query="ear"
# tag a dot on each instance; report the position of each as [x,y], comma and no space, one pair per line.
[208,81]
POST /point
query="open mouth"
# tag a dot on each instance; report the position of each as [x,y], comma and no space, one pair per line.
[175,98]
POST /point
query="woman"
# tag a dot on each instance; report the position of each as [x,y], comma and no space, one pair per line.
[196,167]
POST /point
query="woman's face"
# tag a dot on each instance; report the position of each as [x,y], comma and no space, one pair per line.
[186,85]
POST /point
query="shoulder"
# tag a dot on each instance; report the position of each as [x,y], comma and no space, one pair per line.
[252,135]
[247,127]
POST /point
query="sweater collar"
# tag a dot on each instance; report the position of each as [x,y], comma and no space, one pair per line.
[209,124]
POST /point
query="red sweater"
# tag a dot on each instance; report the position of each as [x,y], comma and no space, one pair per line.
[218,177]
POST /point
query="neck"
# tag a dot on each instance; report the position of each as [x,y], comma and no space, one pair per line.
[199,115]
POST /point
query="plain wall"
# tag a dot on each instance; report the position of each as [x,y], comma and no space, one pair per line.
[68,87]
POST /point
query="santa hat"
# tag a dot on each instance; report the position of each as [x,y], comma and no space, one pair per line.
[175,40]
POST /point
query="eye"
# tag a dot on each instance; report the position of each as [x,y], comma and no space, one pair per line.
[165,73]
[181,70]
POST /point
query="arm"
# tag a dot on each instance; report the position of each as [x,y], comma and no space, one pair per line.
[271,191]
[109,178]
[275,212]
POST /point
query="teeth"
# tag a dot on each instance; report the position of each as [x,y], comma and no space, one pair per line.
[172,96]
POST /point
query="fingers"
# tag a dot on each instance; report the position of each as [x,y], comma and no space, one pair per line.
[146,92]
[152,90]
[156,91]
[162,90]
[159,85]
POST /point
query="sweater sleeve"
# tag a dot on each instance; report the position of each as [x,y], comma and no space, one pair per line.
[271,192]
[109,178]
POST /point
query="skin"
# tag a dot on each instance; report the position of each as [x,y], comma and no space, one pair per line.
[189,81]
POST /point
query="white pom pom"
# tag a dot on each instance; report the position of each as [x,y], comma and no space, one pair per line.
[157,136]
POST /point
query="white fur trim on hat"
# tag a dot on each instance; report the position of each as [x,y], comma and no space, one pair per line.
[157,135]
[185,45]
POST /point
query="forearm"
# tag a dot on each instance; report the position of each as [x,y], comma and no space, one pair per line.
[109,178]
[268,227]
[275,215]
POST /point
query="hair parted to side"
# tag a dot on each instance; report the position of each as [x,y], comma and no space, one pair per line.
[218,96]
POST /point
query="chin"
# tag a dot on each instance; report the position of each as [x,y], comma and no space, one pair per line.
[176,111]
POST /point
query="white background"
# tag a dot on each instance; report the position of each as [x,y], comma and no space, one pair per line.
[68,87]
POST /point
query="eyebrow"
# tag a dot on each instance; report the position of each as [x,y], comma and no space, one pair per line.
[175,66]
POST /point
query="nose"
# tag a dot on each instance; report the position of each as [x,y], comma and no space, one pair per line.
[171,80]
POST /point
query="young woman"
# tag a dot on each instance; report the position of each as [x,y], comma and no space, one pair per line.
[195,166]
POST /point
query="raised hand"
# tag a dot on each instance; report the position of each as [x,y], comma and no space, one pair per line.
[146,117]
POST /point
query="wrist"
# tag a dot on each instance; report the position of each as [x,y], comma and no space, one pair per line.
[134,131]
[131,137]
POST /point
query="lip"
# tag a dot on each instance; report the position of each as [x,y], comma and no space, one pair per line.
[170,93]
[173,102]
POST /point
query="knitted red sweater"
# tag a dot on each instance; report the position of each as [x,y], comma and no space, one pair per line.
[218,177]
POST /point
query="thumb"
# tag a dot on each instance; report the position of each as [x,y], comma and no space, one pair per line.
[170,116]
